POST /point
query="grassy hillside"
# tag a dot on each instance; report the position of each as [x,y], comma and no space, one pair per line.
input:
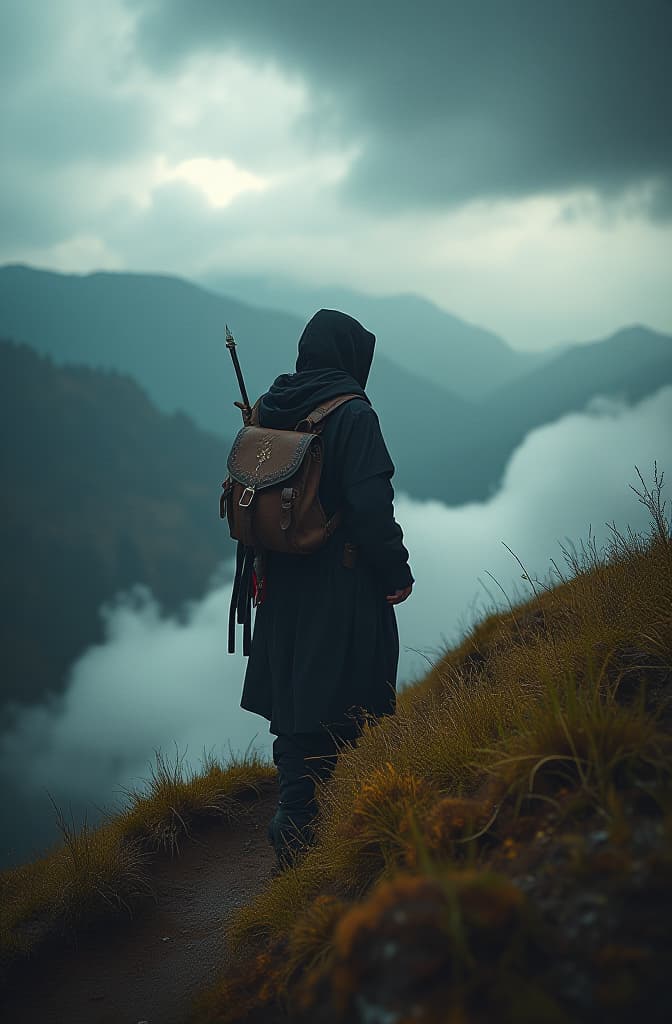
[500,849]
[99,491]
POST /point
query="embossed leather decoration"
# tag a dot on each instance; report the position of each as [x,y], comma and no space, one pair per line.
[270,496]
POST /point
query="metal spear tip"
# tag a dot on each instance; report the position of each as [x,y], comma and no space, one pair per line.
[229,336]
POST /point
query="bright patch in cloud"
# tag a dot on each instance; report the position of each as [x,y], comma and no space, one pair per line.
[221,180]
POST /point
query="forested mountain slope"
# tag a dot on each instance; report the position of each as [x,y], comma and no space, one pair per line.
[100,491]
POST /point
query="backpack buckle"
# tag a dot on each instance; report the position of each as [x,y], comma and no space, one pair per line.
[248,491]
[288,495]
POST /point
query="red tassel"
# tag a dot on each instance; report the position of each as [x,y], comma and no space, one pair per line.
[258,589]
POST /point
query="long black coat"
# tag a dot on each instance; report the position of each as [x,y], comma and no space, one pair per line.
[325,640]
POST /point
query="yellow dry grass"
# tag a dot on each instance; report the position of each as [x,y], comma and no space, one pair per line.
[551,694]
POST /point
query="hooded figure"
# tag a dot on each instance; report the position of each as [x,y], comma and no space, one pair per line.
[325,643]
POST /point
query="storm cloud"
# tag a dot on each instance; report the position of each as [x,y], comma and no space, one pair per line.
[456,101]
[167,682]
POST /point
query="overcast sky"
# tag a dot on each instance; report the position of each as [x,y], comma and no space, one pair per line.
[509,159]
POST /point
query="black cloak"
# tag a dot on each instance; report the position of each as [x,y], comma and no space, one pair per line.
[325,640]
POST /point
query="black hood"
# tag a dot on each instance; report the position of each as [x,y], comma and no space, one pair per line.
[335,356]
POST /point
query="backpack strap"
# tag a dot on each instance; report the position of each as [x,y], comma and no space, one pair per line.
[314,421]
[254,415]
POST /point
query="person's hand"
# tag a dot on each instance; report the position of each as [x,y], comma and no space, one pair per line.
[399,595]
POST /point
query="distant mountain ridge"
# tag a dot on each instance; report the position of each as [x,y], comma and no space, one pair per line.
[632,363]
[168,334]
[612,364]
[418,335]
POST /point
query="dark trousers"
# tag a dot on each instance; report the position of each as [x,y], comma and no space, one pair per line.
[302,759]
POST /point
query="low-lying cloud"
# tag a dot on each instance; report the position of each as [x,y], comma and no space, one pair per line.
[167,682]
[566,478]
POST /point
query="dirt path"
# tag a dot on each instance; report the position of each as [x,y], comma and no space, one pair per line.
[150,968]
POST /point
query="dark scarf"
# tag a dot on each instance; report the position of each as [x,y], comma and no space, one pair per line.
[335,356]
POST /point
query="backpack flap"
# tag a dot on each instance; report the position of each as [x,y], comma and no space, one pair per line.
[261,458]
[275,476]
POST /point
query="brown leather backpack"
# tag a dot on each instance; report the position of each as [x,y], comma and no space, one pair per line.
[270,496]
[271,502]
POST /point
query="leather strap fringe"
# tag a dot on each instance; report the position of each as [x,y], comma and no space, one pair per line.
[240,608]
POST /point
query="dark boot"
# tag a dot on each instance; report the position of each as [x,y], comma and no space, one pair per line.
[302,759]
